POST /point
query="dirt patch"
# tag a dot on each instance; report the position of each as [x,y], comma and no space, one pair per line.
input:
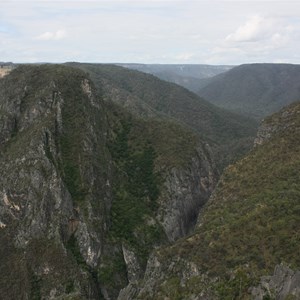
[4,71]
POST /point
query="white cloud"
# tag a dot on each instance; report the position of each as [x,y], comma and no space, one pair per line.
[52,36]
[275,31]
[255,29]
[268,38]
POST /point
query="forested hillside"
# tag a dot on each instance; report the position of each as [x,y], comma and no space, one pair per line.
[255,90]
[248,229]
[230,135]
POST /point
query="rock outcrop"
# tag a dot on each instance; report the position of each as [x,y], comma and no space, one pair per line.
[185,191]
[282,121]
[53,190]
[283,284]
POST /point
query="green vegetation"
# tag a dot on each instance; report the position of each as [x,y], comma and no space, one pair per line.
[70,288]
[114,266]
[236,287]
[135,194]
[74,119]
[71,171]
[15,279]
[73,247]
[35,282]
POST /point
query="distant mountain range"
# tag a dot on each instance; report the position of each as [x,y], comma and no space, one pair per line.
[256,90]
[192,76]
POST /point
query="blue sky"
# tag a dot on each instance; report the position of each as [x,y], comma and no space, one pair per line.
[150,31]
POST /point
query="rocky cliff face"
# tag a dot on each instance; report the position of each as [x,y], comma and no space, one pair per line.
[63,187]
[283,284]
[185,192]
[54,187]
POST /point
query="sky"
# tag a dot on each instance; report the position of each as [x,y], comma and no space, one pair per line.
[150,31]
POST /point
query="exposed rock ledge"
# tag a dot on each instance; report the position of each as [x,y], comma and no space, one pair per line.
[186,191]
[284,284]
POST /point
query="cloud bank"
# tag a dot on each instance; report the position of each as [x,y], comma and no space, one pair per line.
[52,36]
[150,31]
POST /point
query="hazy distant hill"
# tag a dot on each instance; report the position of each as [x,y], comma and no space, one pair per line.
[6,64]
[256,90]
[192,77]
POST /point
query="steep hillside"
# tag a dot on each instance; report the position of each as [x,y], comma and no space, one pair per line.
[192,77]
[87,190]
[54,200]
[255,90]
[147,96]
[249,227]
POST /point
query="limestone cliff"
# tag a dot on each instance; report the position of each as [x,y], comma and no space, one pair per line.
[283,284]
[185,191]
[54,168]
